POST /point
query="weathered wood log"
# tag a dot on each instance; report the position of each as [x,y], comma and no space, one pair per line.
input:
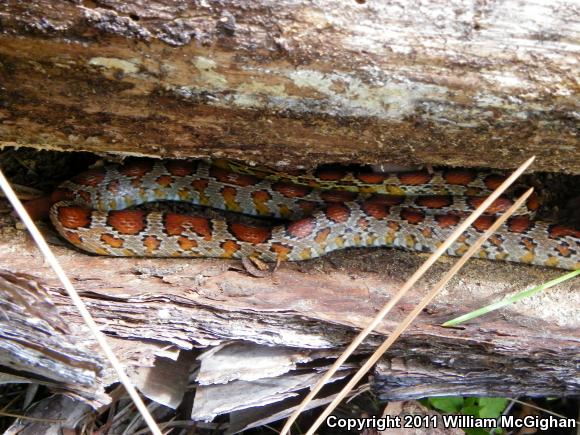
[295,83]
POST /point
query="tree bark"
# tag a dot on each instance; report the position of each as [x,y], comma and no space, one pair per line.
[295,83]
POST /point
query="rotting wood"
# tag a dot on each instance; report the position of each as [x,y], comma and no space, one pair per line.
[294,83]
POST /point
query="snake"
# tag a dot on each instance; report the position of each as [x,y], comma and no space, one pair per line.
[309,214]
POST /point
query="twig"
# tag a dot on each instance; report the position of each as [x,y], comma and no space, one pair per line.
[410,282]
[417,310]
[59,271]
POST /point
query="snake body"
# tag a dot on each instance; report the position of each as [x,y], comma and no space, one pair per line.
[328,210]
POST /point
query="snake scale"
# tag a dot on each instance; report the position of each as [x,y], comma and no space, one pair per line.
[328,210]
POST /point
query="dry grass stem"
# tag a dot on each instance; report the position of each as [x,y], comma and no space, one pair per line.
[403,290]
[88,319]
[401,327]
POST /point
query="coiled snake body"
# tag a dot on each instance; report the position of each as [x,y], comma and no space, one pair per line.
[329,210]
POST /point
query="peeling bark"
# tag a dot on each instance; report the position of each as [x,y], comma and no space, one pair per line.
[293,83]
[152,307]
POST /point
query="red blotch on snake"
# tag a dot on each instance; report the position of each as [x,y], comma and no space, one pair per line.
[302,228]
[447,220]
[415,178]
[74,217]
[519,224]
[136,169]
[412,216]
[337,213]
[127,221]
[180,168]
[386,199]
[330,174]
[498,206]
[338,196]
[459,177]
[557,231]
[434,201]
[92,177]
[493,181]
[482,223]
[378,211]
[291,190]
[177,224]
[250,234]
[232,178]
[371,177]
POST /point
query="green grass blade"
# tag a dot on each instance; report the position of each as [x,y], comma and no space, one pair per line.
[510,300]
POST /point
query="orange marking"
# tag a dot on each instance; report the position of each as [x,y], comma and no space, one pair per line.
[230,248]
[164,180]
[200,186]
[229,194]
[493,181]
[337,213]
[519,224]
[322,236]
[371,177]
[74,217]
[112,241]
[557,231]
[177,224]
[338,196]
[302,227]
[412,216]
[92,177]
[459,177]
[447,220]
[260,198]
[73,237]
[250,234]
[291,190]
[280,250]
[137,169]
[496,240]
[378,211]
[529,244]
[180,168]
[414,178]
[482,223]
[186,243]
[225,176]
[127,221]
[151,244]
[434,201]
[564,251]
